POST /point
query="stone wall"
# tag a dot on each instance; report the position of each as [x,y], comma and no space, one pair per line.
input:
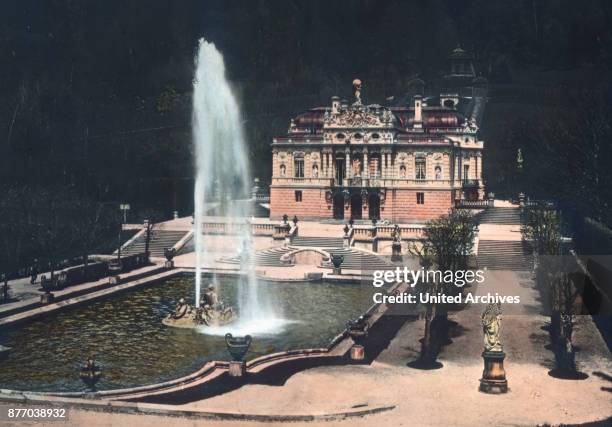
[401,205]
[312,206]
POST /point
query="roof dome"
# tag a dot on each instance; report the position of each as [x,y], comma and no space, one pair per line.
[309,119]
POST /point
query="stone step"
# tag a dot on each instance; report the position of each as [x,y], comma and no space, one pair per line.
[510,216]
[160,240]
[504,255]
[322,242]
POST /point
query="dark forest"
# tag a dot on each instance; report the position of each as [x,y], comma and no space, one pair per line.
[95,97]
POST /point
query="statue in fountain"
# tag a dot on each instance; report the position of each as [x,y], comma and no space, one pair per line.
[211,312]
[181,309]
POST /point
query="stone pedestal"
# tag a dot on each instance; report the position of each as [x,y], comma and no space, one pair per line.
[169,264]
[493,379]
[357,352]
[337,270]
[237,369]
[396,254]
[346,242]
[47,298]
[114,280]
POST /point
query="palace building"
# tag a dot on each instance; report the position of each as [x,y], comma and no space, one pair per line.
[407,162]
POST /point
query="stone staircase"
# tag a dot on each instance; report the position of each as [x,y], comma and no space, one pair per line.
[355,259]
[504,255]
[264,258]
[160,239]
[317,242]
[501,215]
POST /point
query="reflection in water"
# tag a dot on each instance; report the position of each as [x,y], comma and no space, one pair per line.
[134,348]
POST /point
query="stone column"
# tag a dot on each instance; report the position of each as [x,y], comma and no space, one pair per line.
[456,171]
[366,165]
[388,167]
[347,162]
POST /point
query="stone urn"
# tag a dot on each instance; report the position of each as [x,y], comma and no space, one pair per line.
[48,285]
[114,268]
[358,330]
[237,348]
[337,261]
[169,253]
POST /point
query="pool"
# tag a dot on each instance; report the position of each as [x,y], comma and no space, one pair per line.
[134,348]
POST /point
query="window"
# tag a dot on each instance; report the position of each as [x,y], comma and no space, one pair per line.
[419,168]
[466,172]
[420,198]
[298,196]
[299,168]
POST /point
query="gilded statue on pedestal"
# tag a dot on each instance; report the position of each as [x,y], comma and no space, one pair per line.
[491,321]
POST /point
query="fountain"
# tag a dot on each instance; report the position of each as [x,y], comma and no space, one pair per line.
[222,169]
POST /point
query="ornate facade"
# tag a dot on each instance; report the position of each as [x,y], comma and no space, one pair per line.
[405,163]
